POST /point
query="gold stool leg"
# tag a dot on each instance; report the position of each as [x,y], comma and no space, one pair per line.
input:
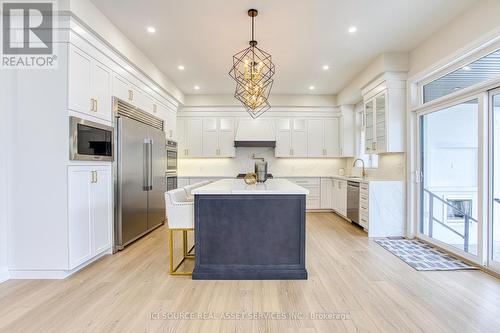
[186,253]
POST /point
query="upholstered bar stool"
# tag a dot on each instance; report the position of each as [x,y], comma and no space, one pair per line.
[180,217]
[189,188]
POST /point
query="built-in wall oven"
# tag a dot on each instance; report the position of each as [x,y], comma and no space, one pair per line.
[90,141]
[171,165]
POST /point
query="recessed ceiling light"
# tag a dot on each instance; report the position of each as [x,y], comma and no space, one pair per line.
[326,67]
[180,67]
[352,29]
[151,30]
[311,88]
[196,87]
[466,68]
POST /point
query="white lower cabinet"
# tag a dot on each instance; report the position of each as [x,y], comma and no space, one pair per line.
[326,193]
[90,202]
[363,205]
[313,199]
[339,196]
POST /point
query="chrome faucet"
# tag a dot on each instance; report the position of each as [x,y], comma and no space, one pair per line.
[363,162]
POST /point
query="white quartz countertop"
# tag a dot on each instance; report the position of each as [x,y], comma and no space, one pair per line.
[238,186]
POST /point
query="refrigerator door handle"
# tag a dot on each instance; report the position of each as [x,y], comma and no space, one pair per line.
[150,182]
[147,165]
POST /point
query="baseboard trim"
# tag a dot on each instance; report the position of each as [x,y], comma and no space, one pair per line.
[53,274]
[4,275]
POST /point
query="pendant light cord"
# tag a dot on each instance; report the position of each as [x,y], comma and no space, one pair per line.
[252,27]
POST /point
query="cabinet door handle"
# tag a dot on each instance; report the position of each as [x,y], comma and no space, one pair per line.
[93,176]
[131,95]
[95,173]
[96,105]
[93,106]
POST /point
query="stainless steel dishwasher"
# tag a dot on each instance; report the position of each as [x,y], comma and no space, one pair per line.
[353,201]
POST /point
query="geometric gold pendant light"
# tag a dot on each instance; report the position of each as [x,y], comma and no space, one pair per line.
[253,71]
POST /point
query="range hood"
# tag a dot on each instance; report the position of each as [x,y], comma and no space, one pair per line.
[255,133]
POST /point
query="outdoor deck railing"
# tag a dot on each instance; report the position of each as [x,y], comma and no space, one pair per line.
[467,219]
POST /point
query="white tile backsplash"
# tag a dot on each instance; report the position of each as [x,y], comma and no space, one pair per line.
[391,166]
[243,162]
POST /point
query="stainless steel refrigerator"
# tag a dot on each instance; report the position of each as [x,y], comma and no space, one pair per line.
[140,168]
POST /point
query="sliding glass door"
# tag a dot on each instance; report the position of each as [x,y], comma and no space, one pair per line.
[449,186]
[494,226]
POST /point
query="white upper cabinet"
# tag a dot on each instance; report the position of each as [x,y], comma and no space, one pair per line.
[206,137]
[332,142]
[315,138]
[226,137]
[299,138]
[384,116]
[210,137]
[190,137]
[323,138]
[291,138]
[170,122]
[283,138]
[121,89]
[89,85]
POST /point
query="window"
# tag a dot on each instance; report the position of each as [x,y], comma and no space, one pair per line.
[483,69]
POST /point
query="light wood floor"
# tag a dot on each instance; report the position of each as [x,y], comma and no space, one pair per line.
[348,274]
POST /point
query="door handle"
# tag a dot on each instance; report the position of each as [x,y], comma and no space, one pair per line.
[150,164]
[147,165]
[93,176]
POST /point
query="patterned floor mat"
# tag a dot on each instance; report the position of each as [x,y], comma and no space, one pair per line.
[422,256]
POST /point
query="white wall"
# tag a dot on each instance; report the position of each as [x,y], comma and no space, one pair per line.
[243,163]
[386,62]
[86,12]
[482,20]
[6,84]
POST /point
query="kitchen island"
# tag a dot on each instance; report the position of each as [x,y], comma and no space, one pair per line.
[248,232]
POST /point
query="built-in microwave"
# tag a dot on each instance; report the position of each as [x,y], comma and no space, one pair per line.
[90,141]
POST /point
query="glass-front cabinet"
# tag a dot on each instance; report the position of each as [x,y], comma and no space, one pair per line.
[369,130]
[384,115]
[376,124]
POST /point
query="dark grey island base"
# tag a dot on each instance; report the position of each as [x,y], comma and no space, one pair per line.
[250,237]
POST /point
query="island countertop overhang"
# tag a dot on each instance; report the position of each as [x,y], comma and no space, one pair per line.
[238,186]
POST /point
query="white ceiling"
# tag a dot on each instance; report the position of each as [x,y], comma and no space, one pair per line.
[301,36]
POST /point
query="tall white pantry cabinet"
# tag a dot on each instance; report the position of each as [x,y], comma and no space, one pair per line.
[62,210]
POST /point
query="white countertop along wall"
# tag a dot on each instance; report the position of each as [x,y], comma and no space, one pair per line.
[243,162]
[238,186]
